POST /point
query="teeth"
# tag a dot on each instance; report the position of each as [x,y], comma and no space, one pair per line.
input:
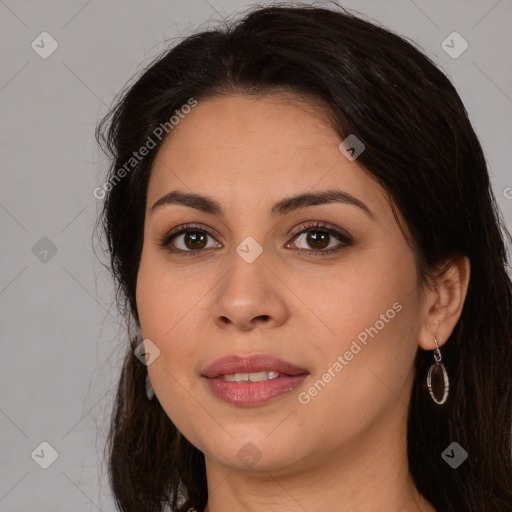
[252,377]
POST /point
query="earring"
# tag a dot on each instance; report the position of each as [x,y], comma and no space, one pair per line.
[437,378]
[150,394]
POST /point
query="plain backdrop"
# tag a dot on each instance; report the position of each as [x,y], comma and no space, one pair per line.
[61,336]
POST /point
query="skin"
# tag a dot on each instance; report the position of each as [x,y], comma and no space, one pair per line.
[345,450]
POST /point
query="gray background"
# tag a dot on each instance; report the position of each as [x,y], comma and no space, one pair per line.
[61,336]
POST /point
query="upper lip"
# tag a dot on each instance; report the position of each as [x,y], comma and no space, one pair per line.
[250,364]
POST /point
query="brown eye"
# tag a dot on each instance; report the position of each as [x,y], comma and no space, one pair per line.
[194,240]
[189,240]
[318,239]
[321,239]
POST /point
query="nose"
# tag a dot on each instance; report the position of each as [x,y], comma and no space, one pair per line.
[249,297]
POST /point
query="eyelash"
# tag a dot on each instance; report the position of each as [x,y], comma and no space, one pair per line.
[311,226]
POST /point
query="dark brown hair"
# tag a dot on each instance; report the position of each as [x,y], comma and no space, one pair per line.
[423,151]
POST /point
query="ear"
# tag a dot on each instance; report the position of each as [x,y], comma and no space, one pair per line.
[444,300]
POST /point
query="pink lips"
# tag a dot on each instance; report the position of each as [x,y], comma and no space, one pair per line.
[252,393]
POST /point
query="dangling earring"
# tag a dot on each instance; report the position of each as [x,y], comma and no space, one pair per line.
[150,394]
[437,378]
[149,388]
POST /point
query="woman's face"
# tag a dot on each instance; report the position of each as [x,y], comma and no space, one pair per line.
[259,279]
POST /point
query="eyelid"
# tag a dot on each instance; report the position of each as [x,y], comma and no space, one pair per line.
[319,225]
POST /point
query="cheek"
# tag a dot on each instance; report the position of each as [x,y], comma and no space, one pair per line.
[151,297]
[344,300]
[366,371]
[164,320]
[368,352]
[163,295]
[171,304]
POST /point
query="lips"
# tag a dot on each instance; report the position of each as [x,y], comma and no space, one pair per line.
[251,364]
[237,379]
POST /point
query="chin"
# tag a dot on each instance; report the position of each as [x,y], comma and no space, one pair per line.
[256,451]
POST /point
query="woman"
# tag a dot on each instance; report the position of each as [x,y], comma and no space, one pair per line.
[301,226]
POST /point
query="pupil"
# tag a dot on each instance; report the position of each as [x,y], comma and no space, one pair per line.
[318,237]
[195,237]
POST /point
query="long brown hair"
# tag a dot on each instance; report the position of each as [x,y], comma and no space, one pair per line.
[421,148]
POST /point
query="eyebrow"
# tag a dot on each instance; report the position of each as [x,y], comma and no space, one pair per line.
[282,207]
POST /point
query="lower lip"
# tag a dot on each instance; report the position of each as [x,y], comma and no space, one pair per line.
[253,393]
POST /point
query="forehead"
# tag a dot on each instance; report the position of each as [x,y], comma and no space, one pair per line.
[239,148]
[278,123]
